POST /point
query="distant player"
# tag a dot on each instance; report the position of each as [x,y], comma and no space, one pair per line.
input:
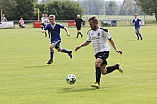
[137,22]
[42,21]
[99,36]
[79,23]
[46,21]
[54,29]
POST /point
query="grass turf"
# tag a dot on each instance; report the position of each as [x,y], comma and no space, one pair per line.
[25,78]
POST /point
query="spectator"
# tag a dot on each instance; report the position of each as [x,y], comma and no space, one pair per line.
[21,23]
[3,18]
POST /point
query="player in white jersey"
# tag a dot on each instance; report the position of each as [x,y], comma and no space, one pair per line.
[46,21]
[42,21]
[99,36]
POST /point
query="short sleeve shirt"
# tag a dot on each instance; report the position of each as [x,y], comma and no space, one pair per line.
[137,22]
[55,31]
[3,19]
[99,40]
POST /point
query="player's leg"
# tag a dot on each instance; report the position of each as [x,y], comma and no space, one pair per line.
[42,25]
[51,53]
[137,35]
[140,35]
[59,49]
[110,69]
[77,33]
[98,73]
[45,31]
[80,32]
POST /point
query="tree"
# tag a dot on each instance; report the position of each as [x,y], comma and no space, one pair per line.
[26,8]
[14,9]
[149,7]
[9,8]
[63,10]
[130,7]
[93,7]
[111,8]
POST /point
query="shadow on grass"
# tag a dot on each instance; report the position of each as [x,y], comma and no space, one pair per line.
[39,66]
[66,90]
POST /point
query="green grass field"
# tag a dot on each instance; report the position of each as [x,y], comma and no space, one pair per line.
[25,78]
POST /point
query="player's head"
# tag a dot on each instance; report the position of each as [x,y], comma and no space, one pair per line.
[78,16]
[43,15]
[52,19]
[135,15]
[93,22]
[3,15]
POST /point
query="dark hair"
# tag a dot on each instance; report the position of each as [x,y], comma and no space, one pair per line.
[93,18]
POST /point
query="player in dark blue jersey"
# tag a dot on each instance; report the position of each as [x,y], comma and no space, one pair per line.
[137,22]
[54,29]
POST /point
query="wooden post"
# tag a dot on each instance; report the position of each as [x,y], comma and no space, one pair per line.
[1,13]
[38,14]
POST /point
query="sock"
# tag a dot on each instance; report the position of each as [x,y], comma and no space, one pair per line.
[112,68]
[137,35]
[81,34]
[77,35]
[51,54]
[45,34]
[140,36]
[98,74]
[65,51]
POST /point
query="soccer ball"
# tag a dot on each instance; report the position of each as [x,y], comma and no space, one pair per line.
[71,79]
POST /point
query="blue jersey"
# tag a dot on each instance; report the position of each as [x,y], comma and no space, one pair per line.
[55,31]
[137,22]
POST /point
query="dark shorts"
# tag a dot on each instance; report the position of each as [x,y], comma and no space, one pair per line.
[78,27]
[57,43]
[137,29]
[43,24]
[103,55]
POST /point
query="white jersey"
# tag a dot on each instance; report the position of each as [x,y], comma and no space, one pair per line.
[99,39]
[46,21]
[3,19]
[42,19]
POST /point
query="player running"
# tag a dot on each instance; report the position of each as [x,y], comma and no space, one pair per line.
[42,21]
[137,22]
[99,36]
[46,21]
[54,29]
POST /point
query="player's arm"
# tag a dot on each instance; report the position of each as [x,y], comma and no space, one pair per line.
[114,46]
[82,45]
[82,22]
[68,34]
[141,23]
[133,22]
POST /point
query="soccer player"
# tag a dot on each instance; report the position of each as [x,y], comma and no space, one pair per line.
[99,36]
[79,23]
[42,21]
[137,22]
[46,21]
[54,29]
